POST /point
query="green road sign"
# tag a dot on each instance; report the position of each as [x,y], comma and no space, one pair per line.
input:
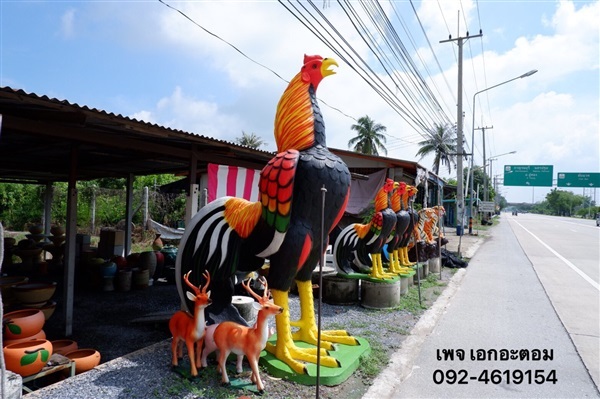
[528,175]
[578,180]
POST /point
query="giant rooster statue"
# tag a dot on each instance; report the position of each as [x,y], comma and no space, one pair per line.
[232,235]
[408,233]
[357,241]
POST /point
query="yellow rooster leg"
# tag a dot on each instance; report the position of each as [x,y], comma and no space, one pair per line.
[390,273]
[397,266]
[392,266]
[407,259]
[380,268]
[375,273]
[401,255]
[404,257]
[307,326]
[285,349]
[377,268]
[394,260]
[399,260]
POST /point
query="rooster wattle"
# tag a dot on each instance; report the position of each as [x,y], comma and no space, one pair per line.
[232,235]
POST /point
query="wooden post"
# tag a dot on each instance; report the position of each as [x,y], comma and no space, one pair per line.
[71,232]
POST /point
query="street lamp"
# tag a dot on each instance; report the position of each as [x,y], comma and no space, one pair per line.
[492,159]
[495,158]
[525,75]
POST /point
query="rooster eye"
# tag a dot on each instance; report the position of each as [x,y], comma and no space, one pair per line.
[314,66]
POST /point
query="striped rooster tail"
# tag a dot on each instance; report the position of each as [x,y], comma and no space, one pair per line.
[349,252]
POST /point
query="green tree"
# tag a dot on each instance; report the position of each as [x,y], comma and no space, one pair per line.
[441,141]
[478,181]
[370,139]
[563,203]
[250,140]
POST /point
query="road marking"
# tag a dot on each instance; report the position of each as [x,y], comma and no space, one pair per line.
[559,256]
[579,224]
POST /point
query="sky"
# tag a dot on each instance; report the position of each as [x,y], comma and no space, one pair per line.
[220,69]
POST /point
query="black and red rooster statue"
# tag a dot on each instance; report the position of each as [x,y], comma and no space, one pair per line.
[232,235]
[403,219]
[355,243]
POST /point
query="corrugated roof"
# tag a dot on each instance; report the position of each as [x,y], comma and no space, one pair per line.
[42,136]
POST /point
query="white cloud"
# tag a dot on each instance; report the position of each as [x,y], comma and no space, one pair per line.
[544,117]
[67,24]
[184,112]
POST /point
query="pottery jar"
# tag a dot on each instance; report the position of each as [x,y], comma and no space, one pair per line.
[108,269]
[148,261]
[170,253]
[40,335]
[64,346]
[157,244]
[6,284]
[34,292]
[28,357]
[85,359]
[48,309]
[57,230]
[23,323]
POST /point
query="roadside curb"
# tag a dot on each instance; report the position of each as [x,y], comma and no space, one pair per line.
[401,363]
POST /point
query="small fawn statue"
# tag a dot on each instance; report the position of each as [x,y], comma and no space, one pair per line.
[249,341]
[189,328]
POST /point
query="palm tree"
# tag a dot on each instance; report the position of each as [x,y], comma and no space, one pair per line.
[442,142]
[250,140]
[370,139]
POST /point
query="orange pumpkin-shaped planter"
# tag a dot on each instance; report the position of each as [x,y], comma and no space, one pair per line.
[27,358]
[40,335]
[23,323]
[85,359]
[64,346]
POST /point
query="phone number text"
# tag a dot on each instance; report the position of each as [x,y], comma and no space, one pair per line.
[495,377]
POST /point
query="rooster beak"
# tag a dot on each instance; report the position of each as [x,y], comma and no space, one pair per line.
[326,64]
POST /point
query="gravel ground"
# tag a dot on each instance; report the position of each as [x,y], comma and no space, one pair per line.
[136,356]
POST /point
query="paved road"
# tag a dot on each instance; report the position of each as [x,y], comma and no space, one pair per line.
[499,304]
[565,254]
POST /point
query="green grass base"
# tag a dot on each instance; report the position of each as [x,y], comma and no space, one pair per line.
[348,356]
[235,382]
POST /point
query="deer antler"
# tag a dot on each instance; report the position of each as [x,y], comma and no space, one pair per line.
[265,297]
[193,287]
[207,277]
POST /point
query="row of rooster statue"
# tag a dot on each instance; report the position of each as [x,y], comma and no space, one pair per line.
[394,227]
[304,190]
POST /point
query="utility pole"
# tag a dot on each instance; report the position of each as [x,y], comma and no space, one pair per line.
[485,175]
[460,198]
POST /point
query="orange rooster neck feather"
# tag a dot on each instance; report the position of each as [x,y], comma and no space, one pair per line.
[381,200]
[396,202]
[294,120]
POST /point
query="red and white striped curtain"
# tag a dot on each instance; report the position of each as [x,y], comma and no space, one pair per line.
[232,181]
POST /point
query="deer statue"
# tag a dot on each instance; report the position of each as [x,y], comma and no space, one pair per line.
[189,328]
[249,341]
[210,346]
